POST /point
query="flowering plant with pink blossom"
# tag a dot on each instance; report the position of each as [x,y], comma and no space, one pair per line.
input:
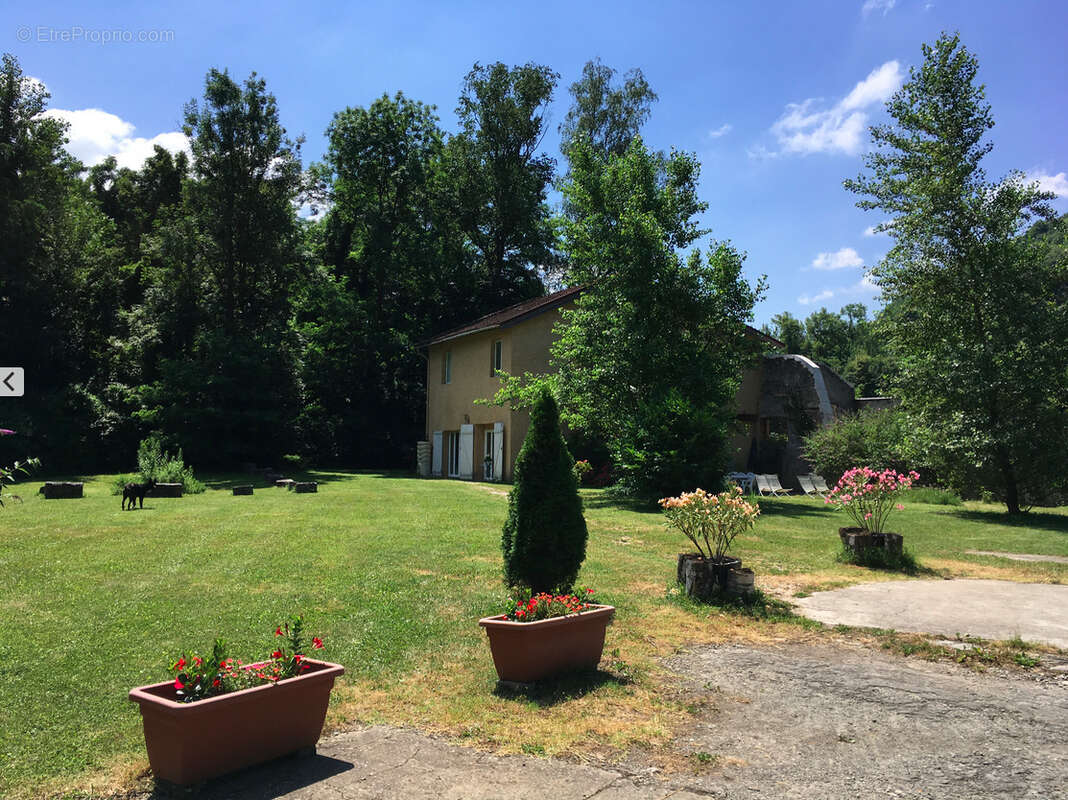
[712,519]
[868,495]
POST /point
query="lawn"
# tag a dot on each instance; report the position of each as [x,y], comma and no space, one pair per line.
[393,573]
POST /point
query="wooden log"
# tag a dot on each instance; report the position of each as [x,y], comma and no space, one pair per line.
[242,490]
[63,490]
[305,487]
[166,490]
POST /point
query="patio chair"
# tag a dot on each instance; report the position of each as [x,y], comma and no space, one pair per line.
[769,484]
[776,487]
[820,485]
[807,486]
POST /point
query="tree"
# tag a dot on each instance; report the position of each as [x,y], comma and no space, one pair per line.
[789,330]
[224,268]
[544,537]
[607,117]
[497,181]
[651,357]
[981,341]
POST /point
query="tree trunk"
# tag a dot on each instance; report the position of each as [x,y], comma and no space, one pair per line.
[1012,489]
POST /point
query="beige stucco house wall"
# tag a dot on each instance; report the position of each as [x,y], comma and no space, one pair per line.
[461,366]
[515,340]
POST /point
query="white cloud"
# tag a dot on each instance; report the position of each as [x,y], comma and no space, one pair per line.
[1058,184]
[806,300]
[805,128]
[760,153]
[877,5]
[871,229]
[95,134]
[722,130]
[840,259]
[865,286]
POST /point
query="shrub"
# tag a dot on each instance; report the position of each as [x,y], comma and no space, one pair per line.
[154,462]
[715,519]
[869,496]
[544,537]
[933,496]
[879,439]
[294,462]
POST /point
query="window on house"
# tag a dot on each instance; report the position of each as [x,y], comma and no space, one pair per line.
[446,367]
[496,353]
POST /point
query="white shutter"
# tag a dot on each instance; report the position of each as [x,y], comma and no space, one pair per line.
[435,453]
[467,452]
[498,451]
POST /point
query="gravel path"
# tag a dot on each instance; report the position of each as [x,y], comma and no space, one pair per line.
[835,722]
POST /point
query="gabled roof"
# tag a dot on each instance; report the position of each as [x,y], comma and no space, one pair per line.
[507,317]
[513,315]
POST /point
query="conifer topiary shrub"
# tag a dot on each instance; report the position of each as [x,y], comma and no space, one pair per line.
[544,539]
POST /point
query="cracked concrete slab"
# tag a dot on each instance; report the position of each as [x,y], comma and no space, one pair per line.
[797,721]
[1036,612]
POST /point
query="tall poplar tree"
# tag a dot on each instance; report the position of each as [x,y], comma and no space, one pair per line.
[981,337]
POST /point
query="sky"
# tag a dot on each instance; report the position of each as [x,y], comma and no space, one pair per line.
[774,98]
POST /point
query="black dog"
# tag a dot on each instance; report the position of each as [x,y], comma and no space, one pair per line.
[136,491]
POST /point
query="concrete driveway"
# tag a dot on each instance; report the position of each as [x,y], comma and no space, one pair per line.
[1036,612]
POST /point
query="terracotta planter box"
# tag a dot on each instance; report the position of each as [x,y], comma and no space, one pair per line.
[525,652]
[189,743]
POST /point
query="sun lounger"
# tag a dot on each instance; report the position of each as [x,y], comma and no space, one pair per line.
[820,484]
[769,484]
[807,486]
[776,487]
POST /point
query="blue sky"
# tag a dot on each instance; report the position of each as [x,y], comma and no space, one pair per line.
[773,97]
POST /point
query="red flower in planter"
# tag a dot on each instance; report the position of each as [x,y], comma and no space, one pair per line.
[317,643]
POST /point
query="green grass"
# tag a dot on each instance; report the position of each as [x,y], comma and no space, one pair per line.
[393,572]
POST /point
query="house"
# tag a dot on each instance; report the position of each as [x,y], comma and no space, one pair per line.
[777,402]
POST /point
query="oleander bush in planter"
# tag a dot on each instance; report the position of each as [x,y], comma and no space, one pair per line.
[711,522]
[868,496]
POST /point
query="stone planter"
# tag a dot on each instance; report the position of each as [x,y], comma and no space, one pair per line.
[242,490]
[189,743]
[305,487]
[858,539]
[741,582]
[525,652]
[166,490]
[703,578]
[62,490]
[284,483]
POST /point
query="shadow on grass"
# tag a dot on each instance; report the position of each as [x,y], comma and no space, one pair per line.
[1034,520]
[755,605]
[548,693]
[777,507]
[276,778]
[227,480]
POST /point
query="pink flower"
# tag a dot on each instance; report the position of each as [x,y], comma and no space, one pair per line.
[6,432]
[899,507]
